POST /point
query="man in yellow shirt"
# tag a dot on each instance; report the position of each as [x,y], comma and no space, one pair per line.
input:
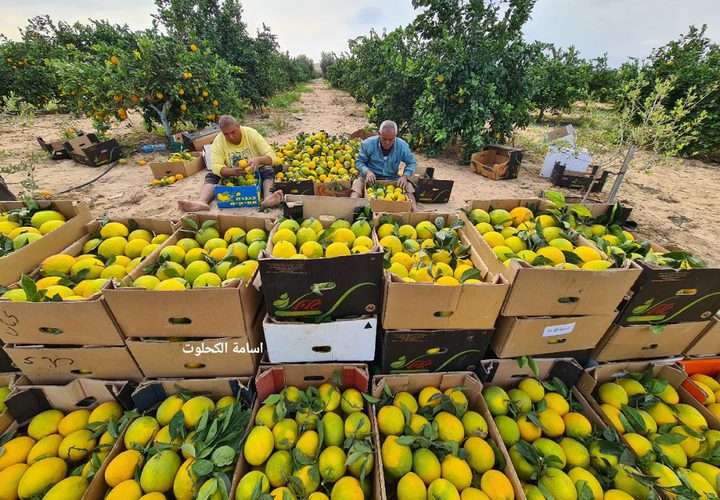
[234,144]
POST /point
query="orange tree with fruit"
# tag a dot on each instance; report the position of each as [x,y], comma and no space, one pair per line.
[168,81]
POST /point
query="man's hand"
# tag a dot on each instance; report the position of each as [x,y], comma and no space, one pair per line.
[370,177]
[253,165]
[403,181]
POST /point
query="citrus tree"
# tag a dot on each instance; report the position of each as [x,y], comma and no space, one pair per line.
[558,77]
[457,73]
[169,82]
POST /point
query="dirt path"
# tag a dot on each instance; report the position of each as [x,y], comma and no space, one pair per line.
[673,203]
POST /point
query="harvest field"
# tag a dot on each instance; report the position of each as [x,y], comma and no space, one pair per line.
[673,198]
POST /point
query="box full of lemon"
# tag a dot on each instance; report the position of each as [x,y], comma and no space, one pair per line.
[57,454]
[387,192]
[431,251]
[675,444]
[322,270]
[109,251]
[188,447]
[208,264]
[317,157]
[437,439]
[557,444]
[537,244]
[310,440]
[428,249]
[47,303]
[27,222]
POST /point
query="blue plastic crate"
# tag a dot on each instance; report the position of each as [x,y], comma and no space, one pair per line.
[237,196]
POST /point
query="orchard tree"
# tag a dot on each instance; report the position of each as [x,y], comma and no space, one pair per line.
[558,78]
[170,83]
[603,81]
[473,63]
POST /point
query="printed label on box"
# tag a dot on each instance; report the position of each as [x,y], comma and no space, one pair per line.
[552,331]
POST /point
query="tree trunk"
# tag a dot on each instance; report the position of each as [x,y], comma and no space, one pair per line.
[540,115]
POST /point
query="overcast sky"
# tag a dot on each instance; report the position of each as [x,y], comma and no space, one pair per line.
[622,28]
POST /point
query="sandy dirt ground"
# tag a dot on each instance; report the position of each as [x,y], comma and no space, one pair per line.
[674,200]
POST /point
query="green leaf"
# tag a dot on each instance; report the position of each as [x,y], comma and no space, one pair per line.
[223,456]
[671,438]
[202,467]
[177,425]
[581,210]
[556,198]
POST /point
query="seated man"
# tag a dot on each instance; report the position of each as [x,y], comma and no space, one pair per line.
[380,157]
[237,143]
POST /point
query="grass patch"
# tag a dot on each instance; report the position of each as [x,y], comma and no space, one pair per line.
[284,100]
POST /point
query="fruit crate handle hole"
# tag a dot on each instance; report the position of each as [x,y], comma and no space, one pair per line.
[313,378]
[194,366]
[82,372]
[443,314]
[568,300]
[650,347]
[179,321]
[50,331]
[322,348]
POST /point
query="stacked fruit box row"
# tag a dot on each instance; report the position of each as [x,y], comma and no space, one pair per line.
[321,277]
[140,297]
[440,300]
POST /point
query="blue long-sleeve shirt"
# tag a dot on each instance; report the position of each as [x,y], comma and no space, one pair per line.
[371,158]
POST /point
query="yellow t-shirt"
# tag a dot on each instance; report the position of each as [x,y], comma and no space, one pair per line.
[225,154]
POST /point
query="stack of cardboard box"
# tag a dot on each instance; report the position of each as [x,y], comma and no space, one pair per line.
[203,332]
[666,313]
[429,327]
[321,309]
[550,310]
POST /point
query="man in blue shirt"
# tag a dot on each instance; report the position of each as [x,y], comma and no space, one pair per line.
[380,157]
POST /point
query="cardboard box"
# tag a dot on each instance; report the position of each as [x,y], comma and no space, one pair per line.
[238,196]
[27,399]
[426,306]
[529,336]
[227,311]
[272,379]
[496,162]
[295,187]
[386,205]
[89,150]
[428,189]
[417,351]
[326,288]
[579,180]
[662,295]
[341,340]
[194,141]
[414,383]
[594,377]
[74,322]
[643,342]
[565,134]
[197,358]
[708,343]
[337,189]
[150,394]
[185,167]
[22,261]
[536,291]
[60,364]
[6,364]
[56,149]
